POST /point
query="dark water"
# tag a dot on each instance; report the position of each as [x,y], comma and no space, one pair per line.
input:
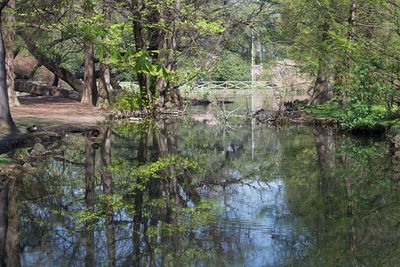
[185,193]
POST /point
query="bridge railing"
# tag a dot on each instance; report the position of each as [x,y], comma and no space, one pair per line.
[238,85]
[242,86]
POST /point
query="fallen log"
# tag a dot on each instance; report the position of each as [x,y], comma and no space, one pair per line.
[44,90]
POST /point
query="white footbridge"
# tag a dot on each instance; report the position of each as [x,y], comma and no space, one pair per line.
[245,87]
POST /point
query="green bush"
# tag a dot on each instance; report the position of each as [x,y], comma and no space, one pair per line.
[369,98]
[355,114]
[366,84]
[358,114]
[231,67]
[129,100]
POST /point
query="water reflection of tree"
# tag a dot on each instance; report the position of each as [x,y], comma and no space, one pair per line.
[75,217]
[89,198]
[136,201]
[89,214]
[9,232]
[346,202]
[107,178]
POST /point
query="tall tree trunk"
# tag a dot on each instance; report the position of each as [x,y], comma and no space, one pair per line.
[146,96]
[343,66]
[105,87]
[9,36]
[6,121]
[352,22]
[322,92]
[89,95]
[169,95]
[156,36]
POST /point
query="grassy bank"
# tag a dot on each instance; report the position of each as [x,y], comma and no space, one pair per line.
[356,116]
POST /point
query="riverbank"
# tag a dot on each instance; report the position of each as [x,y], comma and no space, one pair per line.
[53,117]
[347,118]
[55,112]
[377,122]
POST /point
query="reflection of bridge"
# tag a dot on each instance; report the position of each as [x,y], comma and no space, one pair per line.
[267,86]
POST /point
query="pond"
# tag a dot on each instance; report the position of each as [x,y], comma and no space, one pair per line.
[181,192]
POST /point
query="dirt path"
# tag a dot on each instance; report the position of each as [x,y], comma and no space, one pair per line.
[45,110]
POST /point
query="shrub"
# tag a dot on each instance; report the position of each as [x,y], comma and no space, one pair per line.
[129,100]
[231,67]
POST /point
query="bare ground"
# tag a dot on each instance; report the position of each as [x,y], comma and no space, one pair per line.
[51,111]
[53,116]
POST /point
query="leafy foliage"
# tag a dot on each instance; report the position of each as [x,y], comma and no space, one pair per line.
[129,100]
[231,67]
[365,101]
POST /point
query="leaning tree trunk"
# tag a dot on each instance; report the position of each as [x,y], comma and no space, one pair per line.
[51,64]
[6,121]
[9,36]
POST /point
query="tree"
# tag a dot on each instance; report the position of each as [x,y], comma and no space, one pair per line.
[89,95]
[57,43]
[6,121]
[332,39]
[105,87]
[9,36]
[51,64]
[306,29]
[173,42]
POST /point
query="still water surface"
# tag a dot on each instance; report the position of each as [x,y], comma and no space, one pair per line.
[189,193]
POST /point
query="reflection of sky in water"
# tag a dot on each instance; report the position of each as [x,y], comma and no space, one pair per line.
[251,223]
[254,216]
